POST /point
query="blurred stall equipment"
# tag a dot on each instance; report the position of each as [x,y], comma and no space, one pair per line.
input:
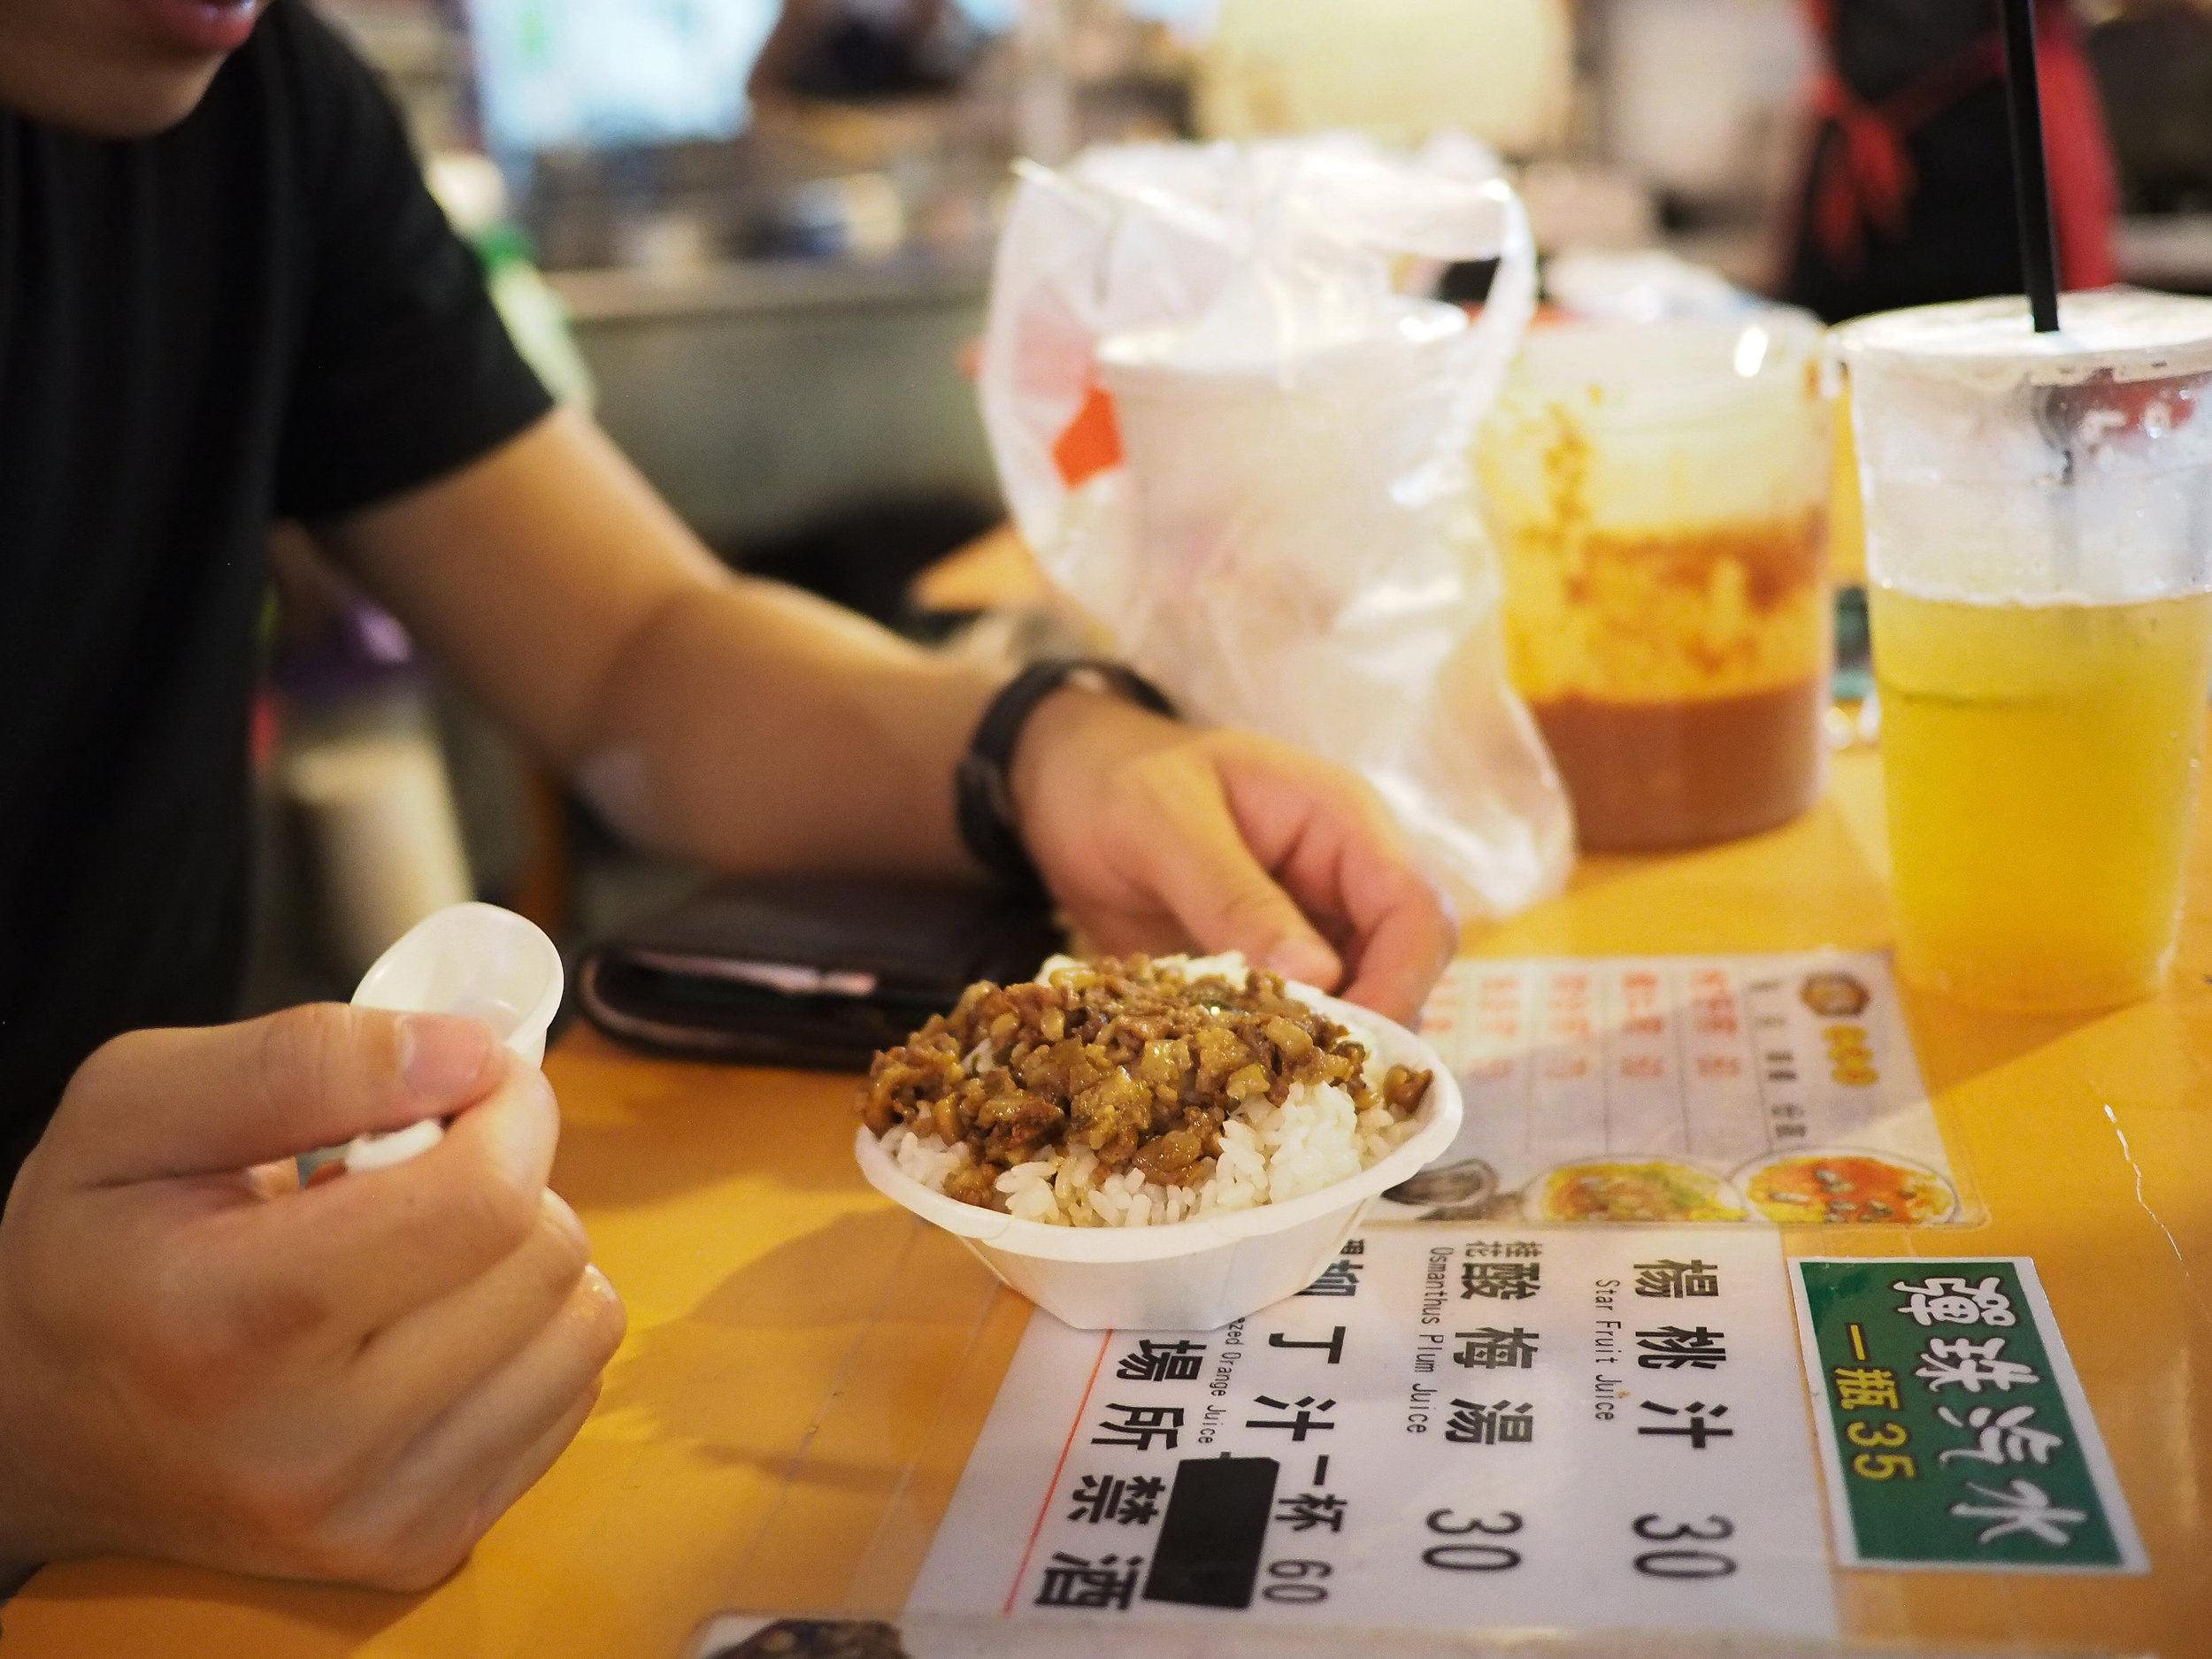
[1648,286]
[870,49]
[771,264]
[762,398]
[376,838]
[857,214]
[1696,99]
[735,128]
[473,192]
[768,226]
[2153,61]
[1396,70]
[1581,204]
[567,72]
[1096,71]
[1906,197]
[1657,492]
[423,56]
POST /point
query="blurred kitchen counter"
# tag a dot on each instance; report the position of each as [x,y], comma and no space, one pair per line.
[2167,250]
[760,397]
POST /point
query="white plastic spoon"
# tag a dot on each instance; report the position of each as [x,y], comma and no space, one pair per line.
[471,959]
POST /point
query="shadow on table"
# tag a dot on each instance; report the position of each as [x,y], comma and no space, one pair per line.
[622,1166]
[1955,1044]
[838,1274]
[708,1125]
[724,1377]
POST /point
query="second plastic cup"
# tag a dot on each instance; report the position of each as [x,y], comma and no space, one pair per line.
[1657,492]
[2038,524]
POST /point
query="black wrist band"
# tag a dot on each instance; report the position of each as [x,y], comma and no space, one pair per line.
[982,782]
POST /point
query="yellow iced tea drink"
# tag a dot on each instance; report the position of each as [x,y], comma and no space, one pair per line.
[2040,761]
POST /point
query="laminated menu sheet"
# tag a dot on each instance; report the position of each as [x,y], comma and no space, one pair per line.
[1574,1428]
[1463,1443]
[1681,1088]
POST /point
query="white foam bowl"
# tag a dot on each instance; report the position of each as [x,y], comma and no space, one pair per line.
[1192,1275]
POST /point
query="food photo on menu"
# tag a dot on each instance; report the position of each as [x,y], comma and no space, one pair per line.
[959,829]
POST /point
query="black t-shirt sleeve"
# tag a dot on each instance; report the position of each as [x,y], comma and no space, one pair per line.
[405,371]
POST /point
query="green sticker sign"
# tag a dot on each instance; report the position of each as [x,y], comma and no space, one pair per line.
[1955,1432]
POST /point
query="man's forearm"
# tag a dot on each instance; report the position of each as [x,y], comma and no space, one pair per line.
[756,727]
[731,721]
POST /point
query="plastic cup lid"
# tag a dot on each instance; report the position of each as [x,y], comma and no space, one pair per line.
[2106,334]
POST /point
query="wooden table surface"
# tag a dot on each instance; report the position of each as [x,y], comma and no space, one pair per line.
[807,1367]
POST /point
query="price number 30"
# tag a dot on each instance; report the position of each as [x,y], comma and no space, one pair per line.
[1684,1560]
[1464,1554]
[1685,1553]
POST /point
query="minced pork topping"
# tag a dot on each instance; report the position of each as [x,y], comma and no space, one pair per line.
[1125,1055]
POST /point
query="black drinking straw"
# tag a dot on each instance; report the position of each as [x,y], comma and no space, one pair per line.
[2030,177]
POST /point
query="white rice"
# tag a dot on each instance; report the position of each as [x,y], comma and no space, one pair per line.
[1269,1154]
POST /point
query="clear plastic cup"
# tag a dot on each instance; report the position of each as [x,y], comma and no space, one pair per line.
[2038,528]
[1658,492]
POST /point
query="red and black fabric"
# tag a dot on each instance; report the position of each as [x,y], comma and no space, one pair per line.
[1906,197]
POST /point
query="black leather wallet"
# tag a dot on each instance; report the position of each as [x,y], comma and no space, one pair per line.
[817,970]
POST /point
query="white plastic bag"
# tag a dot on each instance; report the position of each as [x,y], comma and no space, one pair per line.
[1244,457]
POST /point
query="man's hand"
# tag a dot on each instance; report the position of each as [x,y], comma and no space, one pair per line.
[1155,835]
[350,1382]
